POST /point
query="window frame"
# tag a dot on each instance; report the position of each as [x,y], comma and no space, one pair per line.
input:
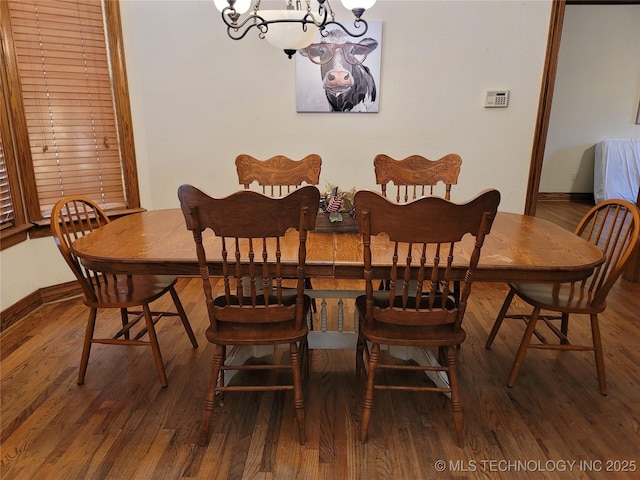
[27,216]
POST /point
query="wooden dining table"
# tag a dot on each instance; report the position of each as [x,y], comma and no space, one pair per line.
[519,248]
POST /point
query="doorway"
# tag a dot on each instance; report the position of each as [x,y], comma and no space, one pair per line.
[544,105]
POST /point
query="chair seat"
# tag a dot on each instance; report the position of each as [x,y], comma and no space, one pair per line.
[131,291]
[394,334]
[563,297]
[235,333]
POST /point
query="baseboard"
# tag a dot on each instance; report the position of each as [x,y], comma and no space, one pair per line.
[566,197]
[60,291]
[19,310]
[28,304]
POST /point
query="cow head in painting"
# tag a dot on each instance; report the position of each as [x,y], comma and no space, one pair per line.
[348,84]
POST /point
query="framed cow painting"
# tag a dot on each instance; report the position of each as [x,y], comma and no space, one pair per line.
[340,73]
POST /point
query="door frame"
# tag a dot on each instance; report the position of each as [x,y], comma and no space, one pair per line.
[544,105]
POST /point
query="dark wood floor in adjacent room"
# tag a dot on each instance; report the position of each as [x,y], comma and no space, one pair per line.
[122,425]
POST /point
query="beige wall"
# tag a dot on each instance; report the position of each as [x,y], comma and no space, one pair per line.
[597,92]
[199,99]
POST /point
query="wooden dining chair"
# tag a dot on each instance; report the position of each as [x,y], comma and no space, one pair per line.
[612,225]
[279,175]
[417,176]
[73,217]
[424,234]
[250,227]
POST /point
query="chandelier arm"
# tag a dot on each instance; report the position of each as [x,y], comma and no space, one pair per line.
[237,31]
[325,6]
[322,21]
[356,24]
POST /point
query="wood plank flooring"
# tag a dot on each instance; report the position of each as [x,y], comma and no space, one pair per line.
[122,425]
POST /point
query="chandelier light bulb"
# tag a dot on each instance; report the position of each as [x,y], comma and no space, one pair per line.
[241,6]
[358,4]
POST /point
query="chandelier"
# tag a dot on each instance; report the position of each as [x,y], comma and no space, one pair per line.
[292,28]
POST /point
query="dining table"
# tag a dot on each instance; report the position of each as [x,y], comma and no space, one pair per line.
[519,248]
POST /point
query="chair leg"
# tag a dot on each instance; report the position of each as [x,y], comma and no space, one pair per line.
[183,317]
[360,346]
[500,318]
[86,348]
[221,380]
[524,345]
[125,321]
[155,347]
[564,328]
[455,395]
[305,359]
[597,346]
[308,286]
[207,416]
[298,396]
[365,417]
[442,355]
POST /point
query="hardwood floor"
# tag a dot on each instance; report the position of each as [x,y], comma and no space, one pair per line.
[562,212]
[121,424]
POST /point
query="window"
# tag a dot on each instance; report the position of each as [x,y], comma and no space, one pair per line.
[13,226]
[6,203]
[69,115]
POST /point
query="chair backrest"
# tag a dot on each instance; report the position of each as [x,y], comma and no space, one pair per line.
[279,175]
[250,230]
[614,226]
[424,234]
[417,176]
[71,218]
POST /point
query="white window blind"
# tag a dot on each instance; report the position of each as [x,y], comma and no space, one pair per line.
[6,204]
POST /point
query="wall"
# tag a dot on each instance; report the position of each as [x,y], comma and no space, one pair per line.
[199,99]
[597,92]
[30,265]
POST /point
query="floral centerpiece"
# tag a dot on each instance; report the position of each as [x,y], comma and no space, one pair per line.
[335,202]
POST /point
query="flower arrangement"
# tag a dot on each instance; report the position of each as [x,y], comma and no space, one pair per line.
[335,202]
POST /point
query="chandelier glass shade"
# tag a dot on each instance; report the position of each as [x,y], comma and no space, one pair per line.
[356,4]
[292,28]
[289,35]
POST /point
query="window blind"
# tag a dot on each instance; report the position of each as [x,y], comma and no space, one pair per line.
[6,204]
[65,78]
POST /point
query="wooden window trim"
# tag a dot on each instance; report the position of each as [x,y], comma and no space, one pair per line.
[17,232]
[43,228]
[28,207]
[14,235]
[123,105]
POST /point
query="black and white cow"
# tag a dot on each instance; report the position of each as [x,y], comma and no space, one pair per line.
[348,84]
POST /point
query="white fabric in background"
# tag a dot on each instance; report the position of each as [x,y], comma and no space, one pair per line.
[616,170]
